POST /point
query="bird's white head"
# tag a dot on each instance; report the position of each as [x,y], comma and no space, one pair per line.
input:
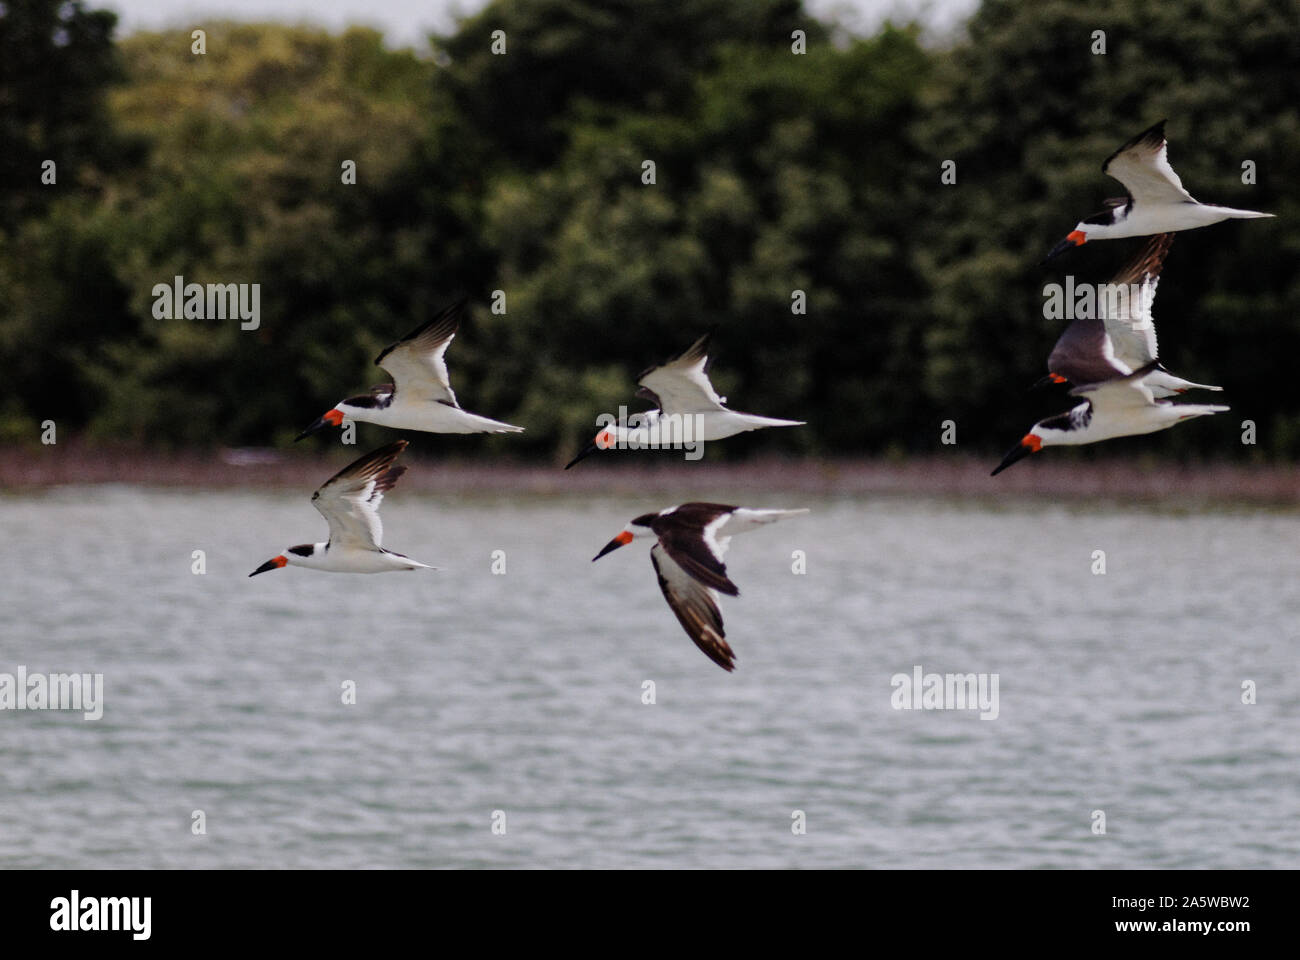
[298,556]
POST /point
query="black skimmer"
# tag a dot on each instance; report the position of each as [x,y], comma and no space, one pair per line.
[1119,405]
[689,409]
[1125,337]
[1155,202]
[693,538]
[349,502]
[420,396]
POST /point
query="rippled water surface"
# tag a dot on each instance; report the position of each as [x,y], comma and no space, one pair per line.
[522,692]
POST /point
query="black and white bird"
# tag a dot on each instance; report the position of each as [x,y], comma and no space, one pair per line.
[688,408]
[1125,337]
[1155,201]
[692,540]
[1117,405]
[349,502]
[420,396]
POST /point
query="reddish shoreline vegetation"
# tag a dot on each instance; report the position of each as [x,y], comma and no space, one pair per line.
[24,469]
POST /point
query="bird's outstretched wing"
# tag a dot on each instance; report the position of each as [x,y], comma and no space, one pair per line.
[349,501]
[681,385]
[1127,313]
[690,536]
[1084,353]
[416,362]
[695,606]
[1142,165]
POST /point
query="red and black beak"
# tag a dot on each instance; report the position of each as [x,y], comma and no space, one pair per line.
[583,454]
[604,441]
[1049,380]
[1076,238]
[275,563]
[621,540]
[332,418]
[1028,444]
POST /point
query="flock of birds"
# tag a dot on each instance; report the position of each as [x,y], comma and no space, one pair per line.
[692,537]
[1110,361]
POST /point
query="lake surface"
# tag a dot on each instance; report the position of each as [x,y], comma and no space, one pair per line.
[522,693]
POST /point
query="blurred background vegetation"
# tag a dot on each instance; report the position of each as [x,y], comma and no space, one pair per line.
[775,172]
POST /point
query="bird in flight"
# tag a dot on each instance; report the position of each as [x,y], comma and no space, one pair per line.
[420,396]
[349,501]
[1154,200]
[1120,405]
[692,540]
[1125,339]
[688,409]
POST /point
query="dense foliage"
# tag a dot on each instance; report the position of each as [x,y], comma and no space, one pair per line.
[523,172]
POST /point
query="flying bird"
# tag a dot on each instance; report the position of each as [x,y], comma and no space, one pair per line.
[1125,337]
[1155,201]
[1121,405]
[349,502]
[692,540]
[420,396]
[688,408]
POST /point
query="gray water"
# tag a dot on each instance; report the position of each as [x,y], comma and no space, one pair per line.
[522,692]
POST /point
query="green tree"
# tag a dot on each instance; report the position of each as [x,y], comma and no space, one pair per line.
[56,60]
[778,173]
[1029,112]
[570,59]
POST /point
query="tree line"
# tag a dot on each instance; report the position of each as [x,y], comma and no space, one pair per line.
[861,218]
